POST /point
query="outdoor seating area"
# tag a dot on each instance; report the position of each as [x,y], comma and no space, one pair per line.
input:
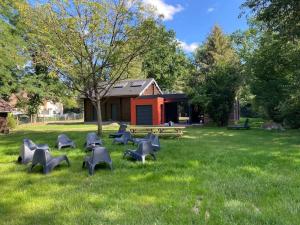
[215,166]
[149,112]
[40,153]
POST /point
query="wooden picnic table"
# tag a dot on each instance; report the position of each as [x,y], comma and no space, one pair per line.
[160,130]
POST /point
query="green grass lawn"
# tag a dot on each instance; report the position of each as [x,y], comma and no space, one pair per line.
[209,176]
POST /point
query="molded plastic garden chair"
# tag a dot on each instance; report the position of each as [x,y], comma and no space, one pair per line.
[155,142]
[154,139]
[120,132]
[144,149]
[64,141]
[124,139]
[99,155]
[146,138]
[27,150]
[245,126]
[92,140]
[46,160]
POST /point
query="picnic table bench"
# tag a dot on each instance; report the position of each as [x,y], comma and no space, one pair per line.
[159,130]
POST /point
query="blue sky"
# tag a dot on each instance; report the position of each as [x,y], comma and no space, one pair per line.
[193,19]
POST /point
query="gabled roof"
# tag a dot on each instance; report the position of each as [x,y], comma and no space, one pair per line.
[131,87]
[4,106]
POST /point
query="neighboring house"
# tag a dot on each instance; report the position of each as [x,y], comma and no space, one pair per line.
[4,110]
[141,102]
[51,109]
[48,109]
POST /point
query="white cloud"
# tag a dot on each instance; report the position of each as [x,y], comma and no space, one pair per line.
[210,10]
[188,47]
[162,8]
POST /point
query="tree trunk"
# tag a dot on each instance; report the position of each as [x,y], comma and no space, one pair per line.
[99,116]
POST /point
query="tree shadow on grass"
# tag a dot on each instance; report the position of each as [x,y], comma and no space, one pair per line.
[217,166]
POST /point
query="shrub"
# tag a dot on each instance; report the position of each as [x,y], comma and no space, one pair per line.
[11,122]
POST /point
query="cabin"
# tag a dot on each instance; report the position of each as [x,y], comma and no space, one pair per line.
[141,102]
[4,110]
[117,105]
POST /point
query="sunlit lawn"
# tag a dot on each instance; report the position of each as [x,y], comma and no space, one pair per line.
[209,176]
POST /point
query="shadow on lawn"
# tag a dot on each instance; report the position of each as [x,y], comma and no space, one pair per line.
[70,196]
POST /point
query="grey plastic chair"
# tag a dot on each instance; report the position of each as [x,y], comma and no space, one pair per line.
[64,141]
[120,132]
[244,126]
[27,150]
[155,142]
[146,138]
[144,149]
[92,140]
[124,139]
[99,155]
[46,160]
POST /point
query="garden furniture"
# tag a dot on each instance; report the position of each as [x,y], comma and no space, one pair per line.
[45,159]
[99,155]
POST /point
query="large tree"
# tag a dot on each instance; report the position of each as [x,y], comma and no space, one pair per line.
[217,77]
[89,44]
[274,66]
[273,62]
[12,45]
[165,61]
[39,86]
[278,15]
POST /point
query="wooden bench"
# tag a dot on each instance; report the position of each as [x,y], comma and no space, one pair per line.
[159,130]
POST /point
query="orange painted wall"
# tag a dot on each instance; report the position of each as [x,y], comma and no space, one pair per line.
[157,109]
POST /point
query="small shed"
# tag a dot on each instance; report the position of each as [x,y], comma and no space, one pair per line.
[5,108]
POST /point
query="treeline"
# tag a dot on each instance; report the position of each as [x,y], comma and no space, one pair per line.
[259,67]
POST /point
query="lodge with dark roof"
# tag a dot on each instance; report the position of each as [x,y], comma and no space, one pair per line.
[141,102]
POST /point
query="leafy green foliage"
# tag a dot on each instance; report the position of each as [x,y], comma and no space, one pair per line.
[273,62]
[217,78]
[273,68]
[11,122]
[90,45]
[39,86]
[165,61]
[280,16]
[12,44]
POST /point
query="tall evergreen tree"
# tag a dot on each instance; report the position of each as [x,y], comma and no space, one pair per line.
[217,78]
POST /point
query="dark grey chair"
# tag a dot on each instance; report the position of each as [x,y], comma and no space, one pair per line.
[144,149]
[146,138]
[48,162]
[245,126]
[120,132]
[99,155]
[92,140]
[124,139]
[64,141]
[154,139]
[27,150]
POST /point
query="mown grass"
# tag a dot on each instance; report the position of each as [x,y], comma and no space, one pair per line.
[209,176]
